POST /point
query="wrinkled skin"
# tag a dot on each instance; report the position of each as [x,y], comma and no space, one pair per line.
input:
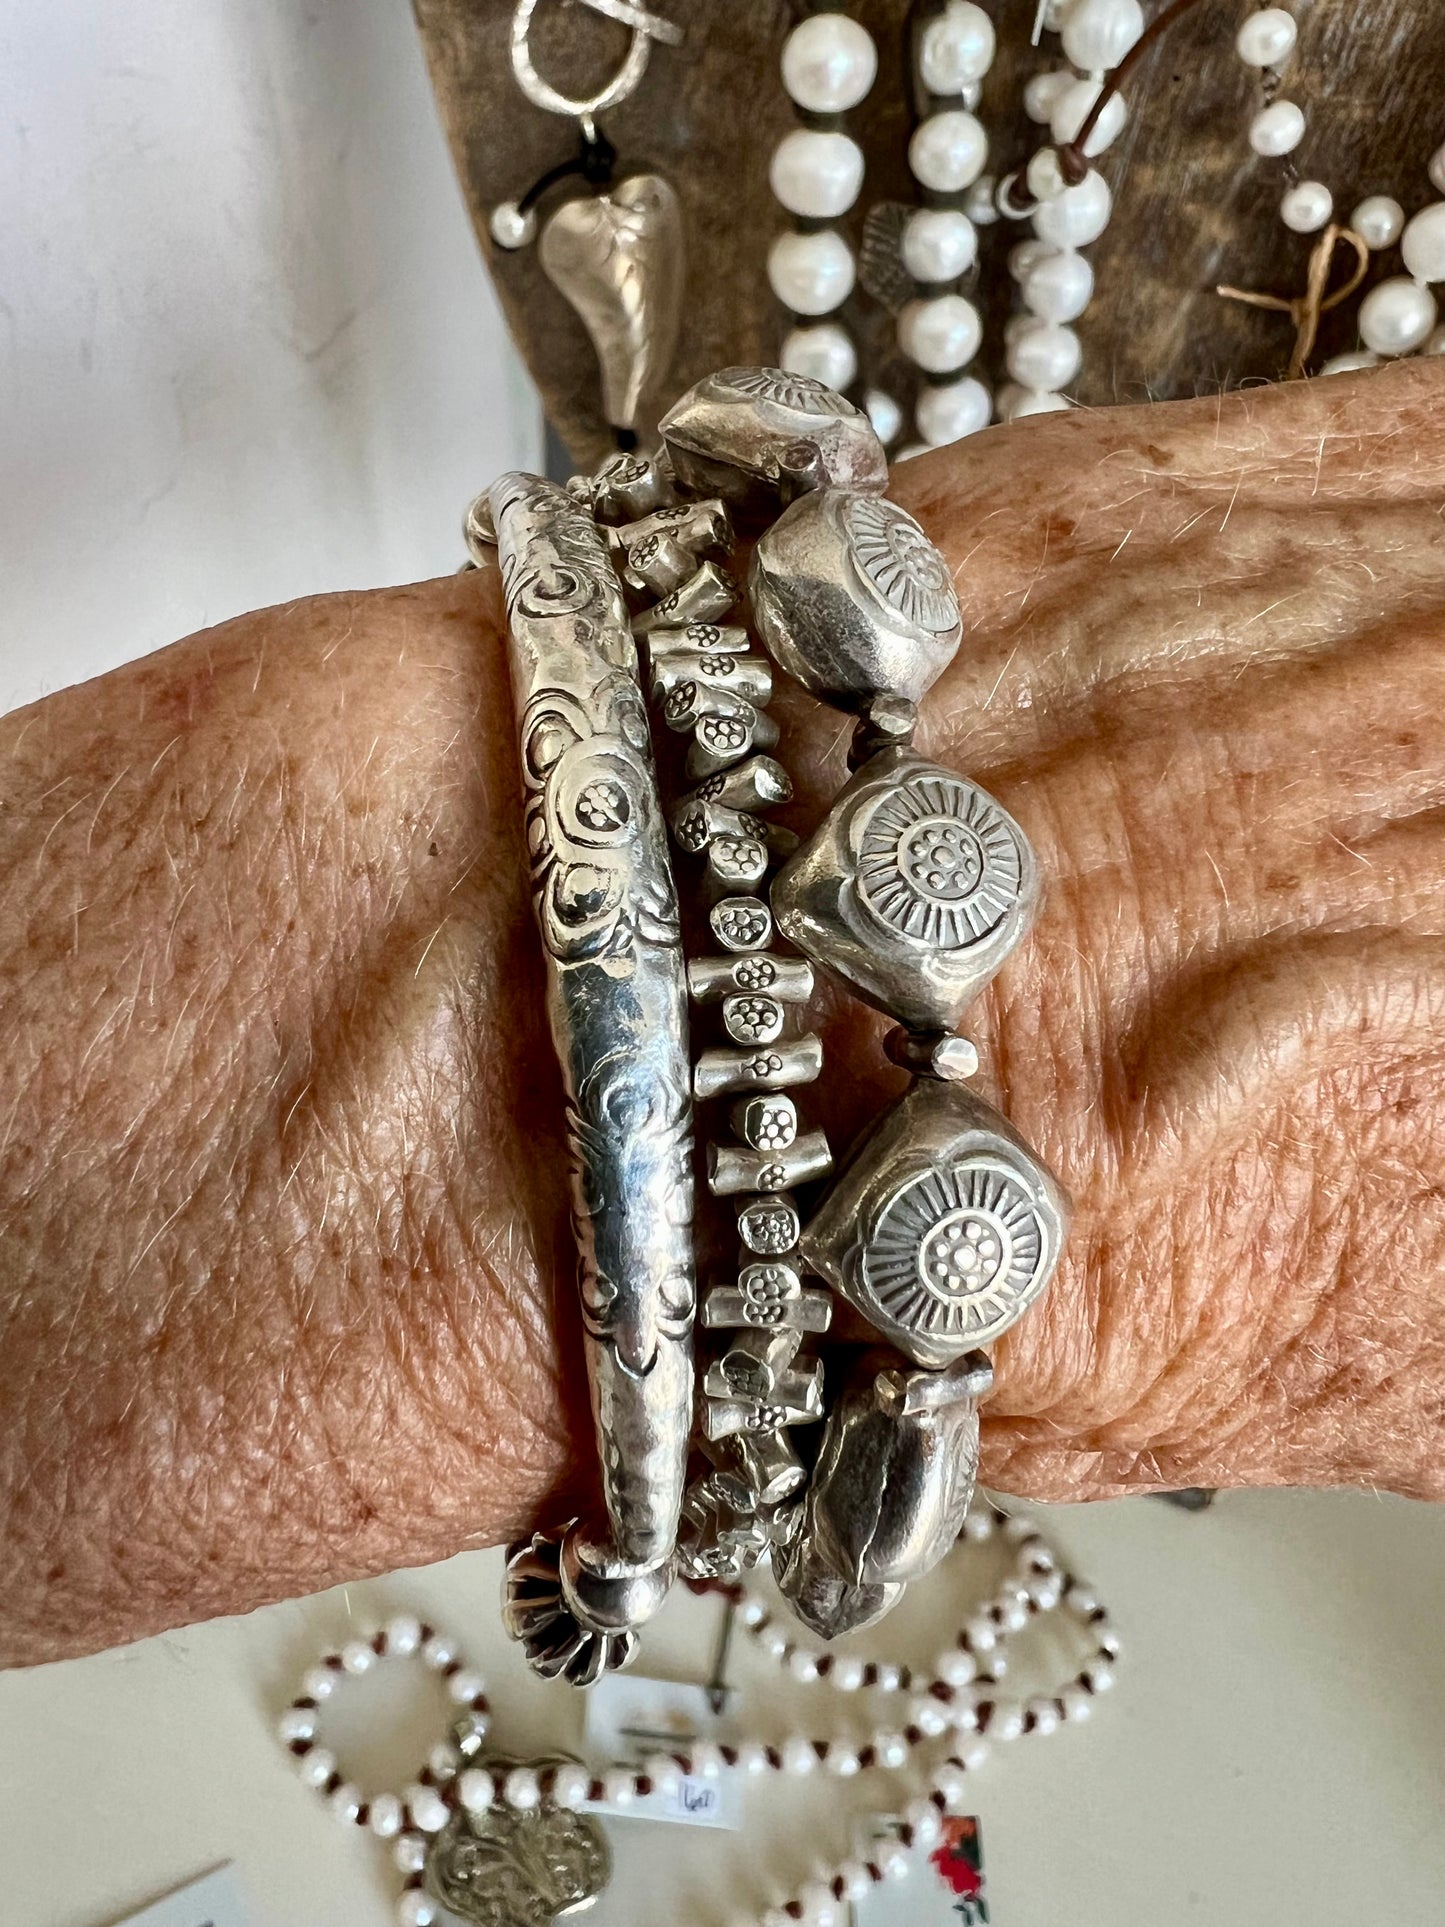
[285,1280]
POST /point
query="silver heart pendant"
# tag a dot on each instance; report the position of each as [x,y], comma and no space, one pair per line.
[618,259]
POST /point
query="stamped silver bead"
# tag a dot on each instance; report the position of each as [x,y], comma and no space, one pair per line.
[853,600]
[914,889]
[943,1228]
[759,437]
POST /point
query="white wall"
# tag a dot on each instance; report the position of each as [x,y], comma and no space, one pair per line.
[247,346]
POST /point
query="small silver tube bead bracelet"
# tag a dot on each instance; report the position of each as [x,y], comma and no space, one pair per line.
[940,1227]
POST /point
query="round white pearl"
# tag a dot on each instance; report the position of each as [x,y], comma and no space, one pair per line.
[753,1611]
[427,1808]
[570,1786]
[842,1760]
[1098,33]
[409,1853]
[1015,1616]
[522,1789]
[774,1642]
[403,1635]
[857,1882]
[707,1760]
[939,244]
[297,1723]
[891,1749]
[978,1526]
[1072,109]
[664,1773]
[1437,170]
[956,1667]
[1306,206]
[979,203]
[1436,343]
[1100,1676]
[1044,175]
[816,174]
[949,412]
[825,352]
[1046,1591]
[1045,357]
[1422,245]
[476,1789]
[1059,287]
[1024,255]
[413,1909]
[811,273]
[438,1652]
[940,333]
[319,1683]
[1007,1722]
[357,1656]
[1396,316]
[1267,38]
[465,1686]
[1017,1527]
[956,49]
[847,1674]
[889,1677]
[316,1767]
[948,150]
[926,1821]
[982,1633]
[802,1664]
[443,1760]
[800,1756]
[619,1788]
[1077,1704]
[1277,129]
[1044,1714]
[386,1816]
[1379,221]
[829,63]
[752,1759]
[814,1898]
[345,1803]
[1083,1600]
[930,1716]
[510,228]
[884,413]
[974,1754]
[893,1862]
[1078,216]
[1043,91]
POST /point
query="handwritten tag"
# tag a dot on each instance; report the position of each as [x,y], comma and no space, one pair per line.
[215,1900]
[630,1717]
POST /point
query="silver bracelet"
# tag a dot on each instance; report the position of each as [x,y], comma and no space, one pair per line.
[942,1227]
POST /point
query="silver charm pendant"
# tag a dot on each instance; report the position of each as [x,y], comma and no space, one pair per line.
[914,889]
[618,259]
[515,1867]
[888,1494]
[944,1227]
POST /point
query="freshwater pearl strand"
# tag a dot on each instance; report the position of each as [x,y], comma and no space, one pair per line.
[940,329]
[829,64]
[955,1698]
[1056,283]
[421,1806]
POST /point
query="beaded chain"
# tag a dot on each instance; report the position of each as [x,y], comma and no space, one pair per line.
[955,1701]
[1066,200]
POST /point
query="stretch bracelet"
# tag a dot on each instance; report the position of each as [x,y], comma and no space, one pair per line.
[851,1475]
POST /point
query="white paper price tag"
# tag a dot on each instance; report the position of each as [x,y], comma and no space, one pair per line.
[215,1900]
[630,1717]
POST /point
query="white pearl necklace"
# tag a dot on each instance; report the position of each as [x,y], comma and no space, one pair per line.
[940,329]
[829,64]
[956,1703]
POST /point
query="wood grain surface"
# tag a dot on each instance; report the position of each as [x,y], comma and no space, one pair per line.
[1193,205]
